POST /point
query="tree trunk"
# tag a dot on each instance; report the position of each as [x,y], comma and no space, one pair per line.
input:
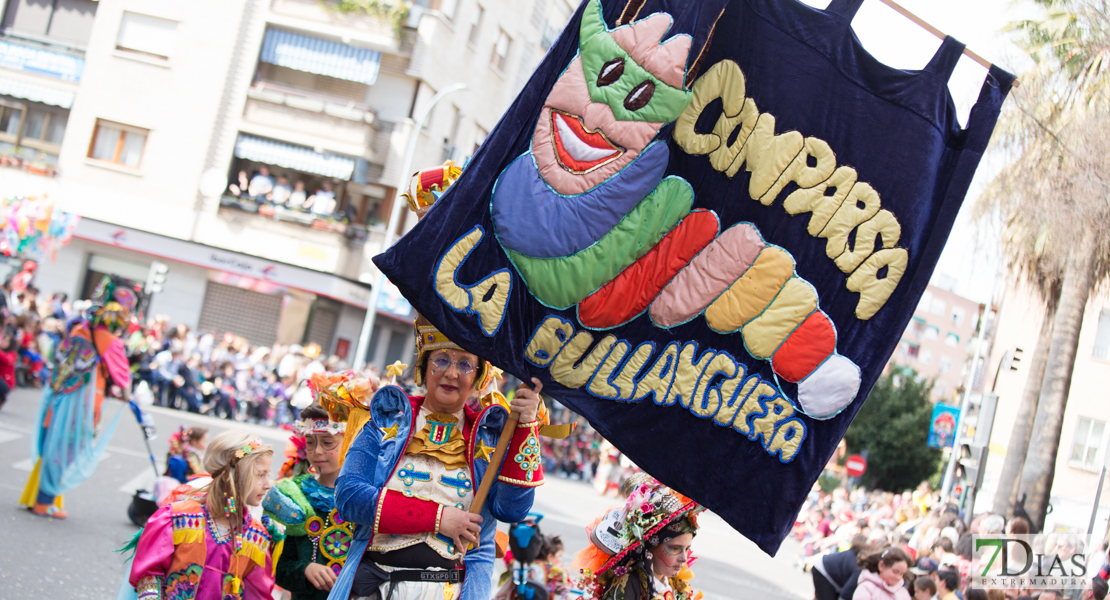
[1040,462]
[1006,493]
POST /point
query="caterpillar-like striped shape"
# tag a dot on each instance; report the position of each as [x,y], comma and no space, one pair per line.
[741,284]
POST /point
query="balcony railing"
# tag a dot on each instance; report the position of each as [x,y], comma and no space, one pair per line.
[352,231]
[325,15]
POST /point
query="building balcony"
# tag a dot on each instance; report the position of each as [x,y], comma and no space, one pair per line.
[307,119]
[324,17]
[235,208]
[297,237]
[28,160]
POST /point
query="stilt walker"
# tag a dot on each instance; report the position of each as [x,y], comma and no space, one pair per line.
[70,438]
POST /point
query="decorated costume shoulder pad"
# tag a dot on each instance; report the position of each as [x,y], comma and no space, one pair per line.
[287,504]
[391,413]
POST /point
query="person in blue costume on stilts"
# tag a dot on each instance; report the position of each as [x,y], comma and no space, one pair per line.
[87,363]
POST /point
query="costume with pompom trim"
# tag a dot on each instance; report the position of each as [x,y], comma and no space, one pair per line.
[408,464]
[396,499]
[315,533]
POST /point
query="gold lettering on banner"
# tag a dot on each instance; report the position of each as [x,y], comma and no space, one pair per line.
[706,400]
[838,204]
[488,298]
[711,385]
[599,383]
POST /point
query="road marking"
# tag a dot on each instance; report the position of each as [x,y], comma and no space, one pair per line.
[273,433]
[143,481]
[28,465]
[7,436]
[128,452]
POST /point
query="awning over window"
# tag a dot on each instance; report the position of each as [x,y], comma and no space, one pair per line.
[323,57]
[35,93]
[294,157]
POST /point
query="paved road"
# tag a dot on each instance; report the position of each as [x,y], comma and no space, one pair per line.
[43,559]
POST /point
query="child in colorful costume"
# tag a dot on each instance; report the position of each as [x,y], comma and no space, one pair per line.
[410,476]
[318,539]
[87,363]
[208,546]
[548,570]
[184,458]
[554,575]
[642,550]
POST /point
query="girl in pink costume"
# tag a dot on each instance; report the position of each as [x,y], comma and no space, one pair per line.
[208,546]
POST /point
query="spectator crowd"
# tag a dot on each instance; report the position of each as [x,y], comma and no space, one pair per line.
[263,189]
[31,325]
[214,373]
[918,543]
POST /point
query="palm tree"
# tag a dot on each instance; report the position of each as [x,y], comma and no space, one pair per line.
[1053,202]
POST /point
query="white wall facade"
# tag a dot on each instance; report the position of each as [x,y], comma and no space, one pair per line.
[177,100]
[183,292]
[1074,486]
[193,105]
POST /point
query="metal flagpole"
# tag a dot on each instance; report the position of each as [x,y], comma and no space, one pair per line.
[394,217]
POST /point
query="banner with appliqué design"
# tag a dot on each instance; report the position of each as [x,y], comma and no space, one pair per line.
[704,225]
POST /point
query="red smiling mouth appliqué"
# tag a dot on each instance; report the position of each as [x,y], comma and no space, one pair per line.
[577,149]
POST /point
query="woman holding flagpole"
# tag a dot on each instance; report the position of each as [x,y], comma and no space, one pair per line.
[409,482]
[423,481]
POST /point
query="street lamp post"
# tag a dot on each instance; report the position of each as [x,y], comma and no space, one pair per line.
[954,457]
[1098,496]
[394,217]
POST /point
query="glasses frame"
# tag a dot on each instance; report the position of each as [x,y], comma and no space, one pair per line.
[455,362]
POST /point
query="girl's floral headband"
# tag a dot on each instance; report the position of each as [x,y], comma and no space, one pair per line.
[255,444]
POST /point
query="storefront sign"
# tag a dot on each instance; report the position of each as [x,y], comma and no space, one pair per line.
[316,282]
[43,62]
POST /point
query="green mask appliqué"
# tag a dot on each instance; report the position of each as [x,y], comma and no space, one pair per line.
[625,96]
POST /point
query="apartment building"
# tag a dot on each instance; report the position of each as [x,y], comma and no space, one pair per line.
[254,146]
[938,341]
[1085,436]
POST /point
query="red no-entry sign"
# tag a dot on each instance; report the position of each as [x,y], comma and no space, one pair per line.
[856,465]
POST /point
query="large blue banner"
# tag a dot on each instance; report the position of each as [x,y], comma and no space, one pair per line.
[704,226]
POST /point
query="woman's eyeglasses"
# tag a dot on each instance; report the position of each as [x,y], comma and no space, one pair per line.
[463,365]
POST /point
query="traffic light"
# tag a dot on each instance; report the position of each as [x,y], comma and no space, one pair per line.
[970,467]
[156,277]
[1015,359]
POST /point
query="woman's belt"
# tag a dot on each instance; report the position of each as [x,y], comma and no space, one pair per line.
[412,564]
[416,556]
